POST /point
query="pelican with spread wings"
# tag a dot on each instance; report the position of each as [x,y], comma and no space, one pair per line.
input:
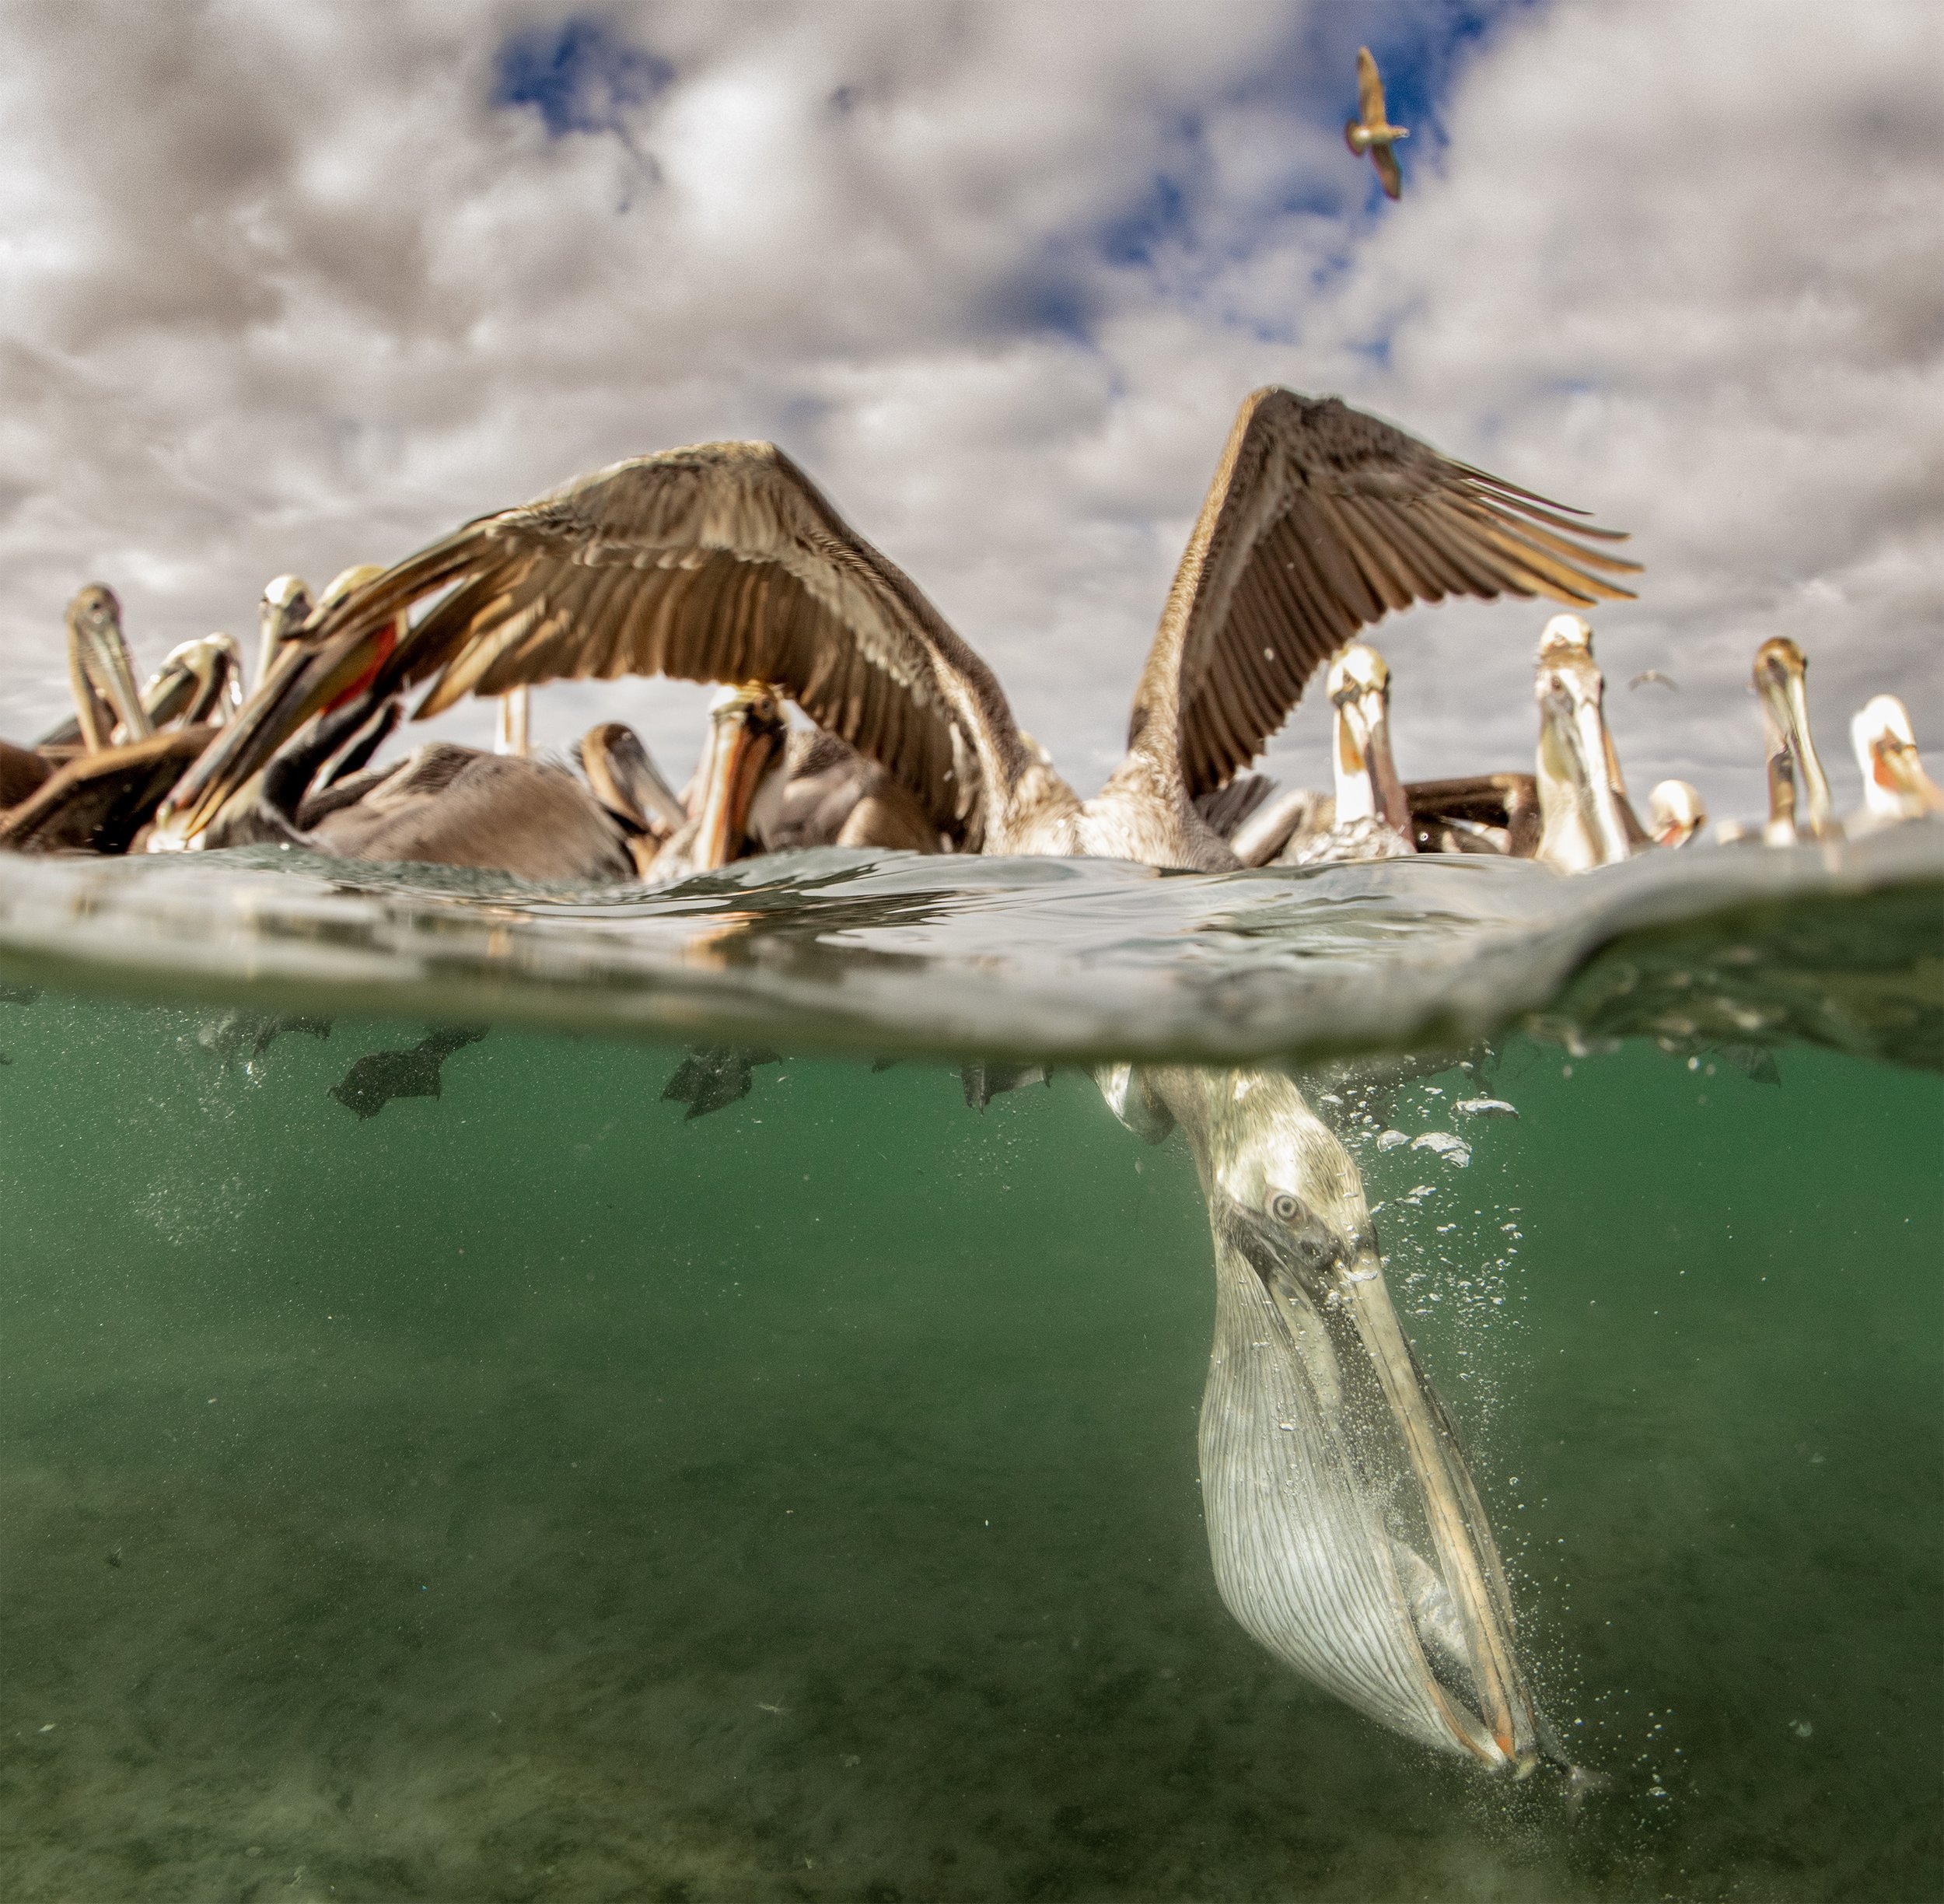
[723,563]
[1371,131]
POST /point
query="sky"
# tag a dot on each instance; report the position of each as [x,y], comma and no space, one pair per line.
[286,286]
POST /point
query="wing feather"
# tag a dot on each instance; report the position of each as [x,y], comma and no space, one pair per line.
[719,562]
[1370,88]
[1321,520]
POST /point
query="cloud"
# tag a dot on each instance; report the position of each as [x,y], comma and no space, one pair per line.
[288,286]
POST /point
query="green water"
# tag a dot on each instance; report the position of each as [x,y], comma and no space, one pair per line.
[523,1493]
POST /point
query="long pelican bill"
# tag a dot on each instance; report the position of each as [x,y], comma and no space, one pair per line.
[1366,771]
[103,679]
[1895,785]
[1781,680]
[283,609]
[1346,1532]
[302,681]
[1583,826]
[747,728]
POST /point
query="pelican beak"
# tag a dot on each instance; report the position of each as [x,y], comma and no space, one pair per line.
[747,729]
[1895,767]
[302,682]
[1573,749]
[1781,678]
[1366,769]
[1393,807]
[98,653]
[1409,1524]
[285,607]
[1346,1534]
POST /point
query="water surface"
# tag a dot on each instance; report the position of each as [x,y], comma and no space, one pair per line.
[524,1493]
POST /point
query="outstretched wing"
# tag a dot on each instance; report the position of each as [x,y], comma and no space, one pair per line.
[1370,89]
[1385,159]
[719,562]
[1320,520]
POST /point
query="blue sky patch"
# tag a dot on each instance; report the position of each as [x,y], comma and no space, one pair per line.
[580,76]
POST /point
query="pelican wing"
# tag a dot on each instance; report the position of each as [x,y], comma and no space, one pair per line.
[1370,89]
[1320,520]
[718,562]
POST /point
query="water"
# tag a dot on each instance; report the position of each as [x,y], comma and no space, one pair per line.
[526,1492]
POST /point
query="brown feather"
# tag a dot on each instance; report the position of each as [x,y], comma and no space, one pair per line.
[719,562]
[1320,521]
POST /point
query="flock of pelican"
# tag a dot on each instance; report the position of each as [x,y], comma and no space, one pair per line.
[1347,1533]
[722,563]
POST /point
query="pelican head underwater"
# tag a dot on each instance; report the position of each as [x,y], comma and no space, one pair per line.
[1347,1535]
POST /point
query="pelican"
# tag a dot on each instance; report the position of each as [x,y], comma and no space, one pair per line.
[1371,131]
[1584,822]
[831,796]
[723,563]
[1372,818]
[1781,682]
[1676,813]
[1895,786]
[100,802]
[1347,1535]
[285,607]
[21,770]
[199,684]
[100,799]
[447,805]
[101,673]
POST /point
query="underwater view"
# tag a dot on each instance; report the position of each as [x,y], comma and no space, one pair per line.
[512,1392]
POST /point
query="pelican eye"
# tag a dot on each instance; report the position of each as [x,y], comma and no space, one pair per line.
[1284,1207]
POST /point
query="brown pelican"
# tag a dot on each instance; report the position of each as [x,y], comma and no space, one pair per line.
[286,605]
[21,770]
[1676,813]
[99,799]
[199,684]
[100,802]
[447,805]
[1346,1534]
[723,563]
[1372,817]
[101,671]
[1895,786]
[625,780]
[831,796]
[1371,131]
[1492,813]
[1781,682]
[737,791]
[1584,819]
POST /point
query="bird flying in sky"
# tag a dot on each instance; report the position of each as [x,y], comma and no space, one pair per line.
[1371,131]
[1653,678]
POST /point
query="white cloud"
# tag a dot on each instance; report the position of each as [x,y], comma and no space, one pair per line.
[284,288]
